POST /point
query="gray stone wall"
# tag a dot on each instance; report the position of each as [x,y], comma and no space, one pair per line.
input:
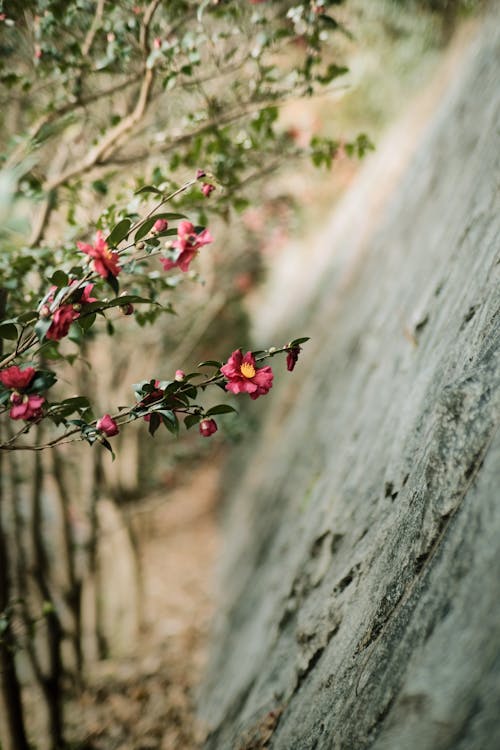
[361,577]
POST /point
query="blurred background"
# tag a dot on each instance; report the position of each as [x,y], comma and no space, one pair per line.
[125,551]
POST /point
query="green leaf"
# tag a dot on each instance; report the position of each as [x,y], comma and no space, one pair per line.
[145,229]
[43,380]
[8,331]
[41,328]
[119,232]
[148,189]
[113,283]
[59,279]
[76,402]
[154,423]
[191,420]
[87,321]
[297,342]
[107,445]
[170,421]
[210,363]
[220,409]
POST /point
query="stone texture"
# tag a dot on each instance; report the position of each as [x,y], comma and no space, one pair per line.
[360,580]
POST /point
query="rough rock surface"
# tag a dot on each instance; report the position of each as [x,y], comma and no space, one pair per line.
[362,566]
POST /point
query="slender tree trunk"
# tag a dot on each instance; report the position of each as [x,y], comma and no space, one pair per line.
[52,686]
[12,731]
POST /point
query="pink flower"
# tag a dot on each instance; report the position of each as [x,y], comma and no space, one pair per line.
[179,375]
[208,427]
[66,314]
[86,298]
[244,377]
[17,379]
[207,188]
[188,242]
[106,261]
[160,225]
[61,322]
[26,406]
[292,357]
[107,425]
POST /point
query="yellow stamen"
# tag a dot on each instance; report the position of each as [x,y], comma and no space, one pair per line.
[247,370]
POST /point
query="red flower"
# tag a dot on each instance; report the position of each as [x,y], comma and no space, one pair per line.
[208,427]
[244,377]
[188,242]
[17,379]
[160,225]
[26,406]
[86,298]
[292,357]
[66,314]
[107,425]
[61,321]
[207,188]
[105,260]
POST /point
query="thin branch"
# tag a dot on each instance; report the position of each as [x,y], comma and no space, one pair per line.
[94,28]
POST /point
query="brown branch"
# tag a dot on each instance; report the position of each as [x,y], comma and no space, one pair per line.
[146,22]
[94,28]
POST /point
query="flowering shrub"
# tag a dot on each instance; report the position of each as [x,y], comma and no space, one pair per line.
[69,302]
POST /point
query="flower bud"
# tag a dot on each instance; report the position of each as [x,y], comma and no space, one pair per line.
[45,312]
[127,309]
[77,307]
[207,188]
[160,225]
[179,375]
[200,173]
[16,398]
[107,426]
[271,349]
[141,245]
[208,427]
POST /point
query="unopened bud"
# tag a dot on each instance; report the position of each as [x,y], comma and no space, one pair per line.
[141,245]
[271,349]
[127,309]
[77,307]
[179,375]
[45,312]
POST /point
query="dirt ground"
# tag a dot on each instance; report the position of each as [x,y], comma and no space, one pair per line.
[147,702]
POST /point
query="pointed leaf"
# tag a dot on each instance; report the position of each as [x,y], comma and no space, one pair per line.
[119,232]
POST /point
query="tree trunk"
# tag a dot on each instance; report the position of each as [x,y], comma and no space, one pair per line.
[12,733]
[361,576]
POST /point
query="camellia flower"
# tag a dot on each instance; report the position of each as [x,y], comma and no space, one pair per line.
[106,261]
[160,225]
[107,426]
[17,379]
[66,314]
[26,406]
[244,377]
[207,188]
[292,357]
[188,241]
[61,321]
[208,427]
